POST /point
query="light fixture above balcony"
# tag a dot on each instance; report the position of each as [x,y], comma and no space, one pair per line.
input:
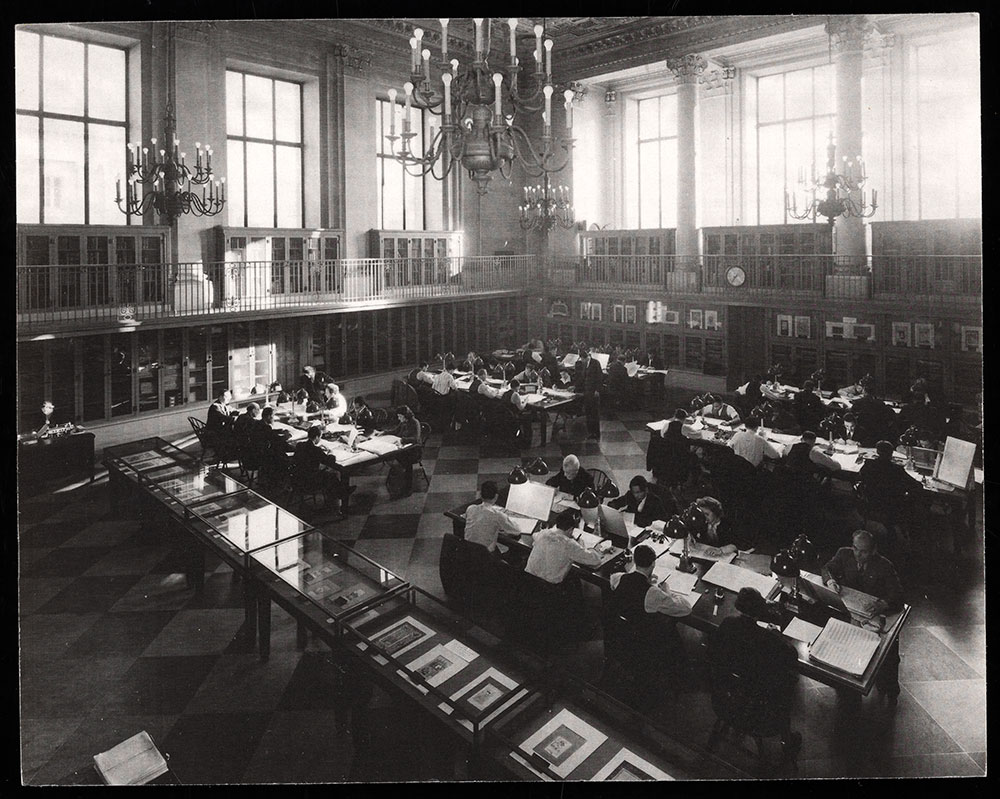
[835,193]
[545,207]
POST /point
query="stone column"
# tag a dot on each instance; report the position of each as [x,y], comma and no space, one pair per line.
[687,69]
[847,34]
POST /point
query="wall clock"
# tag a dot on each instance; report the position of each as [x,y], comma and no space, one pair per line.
[736,276]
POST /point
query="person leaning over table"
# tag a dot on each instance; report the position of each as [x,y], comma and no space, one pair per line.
[571,479]
[862,568]
[244,422]
[482,387]
[554,550]
[875,419]
[717,408]
[334,404]
[804,457]
[485,521]
[809,408]
[313,468]
[527,375]
[646,506]
[270,447]
[359,414]
[313,382]
[852,391]
[751,446]
[717,539]
[888,487]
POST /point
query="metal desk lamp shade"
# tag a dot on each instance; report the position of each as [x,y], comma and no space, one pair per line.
[588,502]
[677,529]
[804,551]
[517,476]
[538,467]
[609,490]
[785,566]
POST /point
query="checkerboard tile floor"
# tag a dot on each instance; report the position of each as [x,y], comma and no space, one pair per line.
[113,641]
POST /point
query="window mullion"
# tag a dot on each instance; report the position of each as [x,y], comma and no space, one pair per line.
[86,135]
[274,154]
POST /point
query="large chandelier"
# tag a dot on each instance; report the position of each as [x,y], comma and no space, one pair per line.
[545,207]
[159,177]
[477,105]
[833,194]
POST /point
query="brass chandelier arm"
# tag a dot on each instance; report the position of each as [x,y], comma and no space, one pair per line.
[538,165]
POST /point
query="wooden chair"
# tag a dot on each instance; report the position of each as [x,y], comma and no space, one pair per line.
[425,432]
[213,441]
[601,481]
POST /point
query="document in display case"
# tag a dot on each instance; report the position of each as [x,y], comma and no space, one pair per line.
[147,454]
[192,486]
[332,576]
[247,520]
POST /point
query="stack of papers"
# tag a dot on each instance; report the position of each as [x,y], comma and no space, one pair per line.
[676,581]
[381,444]
[845,647]
[133,762]
[733,578]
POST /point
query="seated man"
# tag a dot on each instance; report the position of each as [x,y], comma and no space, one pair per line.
[485,521]
[571,479]
[875,419]
[270,447]
[851,392]
[527,375]
[244,422]
[443,383]
[334,405]
[887,486]
[513,395]
[638,500]
[312,383]
[481,388]
[419,375]
[554,550]
[313,468]
[220,415]
[806,458]
[860,567]
[751,446]
[717,408]
[753,674]
[359,414]
[809,409]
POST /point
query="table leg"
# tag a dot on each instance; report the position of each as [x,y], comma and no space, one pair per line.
[345,500]
[544,419]
[301,636]
[250,606]
[264,623]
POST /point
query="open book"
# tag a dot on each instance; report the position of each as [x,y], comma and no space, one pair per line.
[135,761]
[845,647]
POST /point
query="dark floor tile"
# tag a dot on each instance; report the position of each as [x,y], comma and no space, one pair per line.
[46,534]
[614,436]
[222,590]
[301,747]
[456,466]
[90,594]
[446,500]
[156,592]
[242,681]
[48,636]
[980,758]
[33,592]
[391,525]
[66,562]
[119,633]
[159,685]
[316,685]
[201,631]
[628,463]
[63,687]
[40,738]
[231,738]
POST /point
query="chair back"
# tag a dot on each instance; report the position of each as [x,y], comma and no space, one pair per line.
[601,480]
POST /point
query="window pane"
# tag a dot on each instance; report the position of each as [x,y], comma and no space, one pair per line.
[259,107]
[63,155]
[234,179]
[823,90]
[287,111]
[798,94]
[413,196]
[260,183]
[62,74]
[770,104]
[107,162]
[938,193]
[289,187]
[649,186]
[234,103]
[668,115]
[771,162]
[26,69]
[799,151]
[27,170]
[648,118]
[969,166]
[668,183]
[106,82]
[392,195]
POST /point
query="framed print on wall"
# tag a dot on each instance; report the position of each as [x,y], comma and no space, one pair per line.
[695,320]
[630,314]
[558,308]
[618,313]
[585,310]
[864,332]
[923,335]
[803,327]
[711,320]
[972,339]
[595,312]
[784,324]
[901,334]
[670,317]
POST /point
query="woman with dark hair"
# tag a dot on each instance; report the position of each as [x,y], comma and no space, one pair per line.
[400,478]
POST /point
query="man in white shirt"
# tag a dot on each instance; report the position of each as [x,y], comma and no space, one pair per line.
[443,383]
[334,403]
[655,599]
[717,409]
[751,446]
[484,388]
[554,550]
[485,521]
[516,399]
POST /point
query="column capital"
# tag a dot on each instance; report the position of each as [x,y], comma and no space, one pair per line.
[848,32]
[353,57]
[687,68]
[611,102]
[718,81]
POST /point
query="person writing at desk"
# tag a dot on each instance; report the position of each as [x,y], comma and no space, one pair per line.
[571,479]
[527,375]
[751,446]
[360,414]
[887,486]
[638,500]
[853,391]
[483,388]
[219,413]
[554,551]
[313,468]
[715,540]
[638,589]
[485,521]
[334,404]
[862,568]
[717,408]
[805,457]
[47,409]
[564,382]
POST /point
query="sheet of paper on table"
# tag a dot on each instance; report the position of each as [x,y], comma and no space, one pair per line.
[657,426]
[381,445]
[524,524]
[530,398]
[697,550]
[562,501]
[558,393]
[799,630]
[677,581]
[589,540]
[733,578]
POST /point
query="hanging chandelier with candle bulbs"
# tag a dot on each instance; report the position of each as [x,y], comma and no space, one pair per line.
[835,193]
[546,206]
[477,104]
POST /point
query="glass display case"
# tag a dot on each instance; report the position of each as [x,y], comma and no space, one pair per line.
[146,455]
[333,577]
[577,732]
[244,520]
[461,673]
[192,484]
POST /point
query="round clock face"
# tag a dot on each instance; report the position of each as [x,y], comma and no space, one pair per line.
[736,276]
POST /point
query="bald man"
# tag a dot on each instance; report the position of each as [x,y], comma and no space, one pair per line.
[571,479]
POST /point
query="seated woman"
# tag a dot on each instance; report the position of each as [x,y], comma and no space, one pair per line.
[715,539]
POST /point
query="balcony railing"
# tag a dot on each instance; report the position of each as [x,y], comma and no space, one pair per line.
[830,276]
[70,297]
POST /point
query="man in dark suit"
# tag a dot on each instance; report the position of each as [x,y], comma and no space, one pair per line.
[875,419]
[269,447]
[220,415]
[571,479]
[809,408]
[646,506]
[313,468]
[593,382]
[313,382]
[887,486]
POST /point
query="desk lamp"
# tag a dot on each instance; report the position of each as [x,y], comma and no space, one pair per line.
[609,490]
[675,528]
[588,502]
[517,476]
[910,439]
[829,426]
[803,551]
[785,566]
[538,468]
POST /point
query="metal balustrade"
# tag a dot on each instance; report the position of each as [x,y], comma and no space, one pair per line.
[81,296]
